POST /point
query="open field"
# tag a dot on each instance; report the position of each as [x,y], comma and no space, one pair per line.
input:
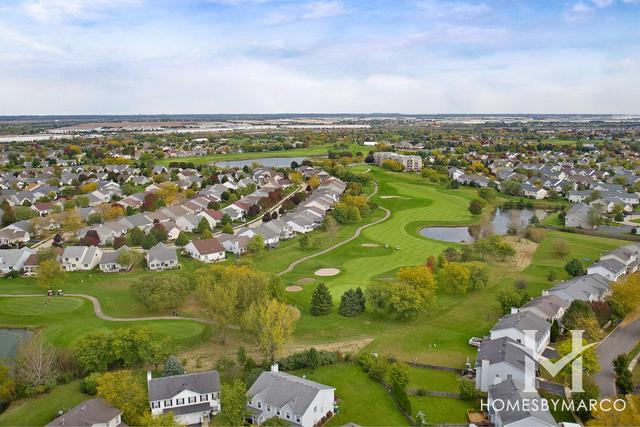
[40,410]
[318,150]
[361,400]
[68,319]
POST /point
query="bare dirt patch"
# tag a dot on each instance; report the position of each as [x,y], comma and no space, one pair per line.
[306,280]
[525,249]
[327,272]
[349,346]
[293,288]
[394,197]
[370,245]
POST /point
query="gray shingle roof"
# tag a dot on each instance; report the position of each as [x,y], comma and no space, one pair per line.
[94,411]
[523,321]
[581,287]
[199,382]
[279,388]
[510,391]
[499,350]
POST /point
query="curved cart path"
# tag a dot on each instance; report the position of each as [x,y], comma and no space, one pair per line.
[98,310]
[357,233]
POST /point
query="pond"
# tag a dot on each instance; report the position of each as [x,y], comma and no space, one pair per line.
[272,162]
[502,220]
[10,340]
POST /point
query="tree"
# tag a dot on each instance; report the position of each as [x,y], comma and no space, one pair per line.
[123,390]
[574,268]
[93,352]
[313,358]
[129,257]
[36,363]
[71,221]
[321,301]
[173,367]
[478,275]
[227,228]
[203,225]
[161,293]
[7,385]
[136,236]
[454,277]
[624,381]
[625,295]
[50,274]
[589,357]
[352,303]
[182,239]
[475,207]
[271,323]
[233,404]
[168,192]
[163,420]
[630,416]
[508,298]
[561,248]
[304,241]
[581,400]
[487,193]
[256,244]
[331,226]
[148,241]
[555,331]
[159,233]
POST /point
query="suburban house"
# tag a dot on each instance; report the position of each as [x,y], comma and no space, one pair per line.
[579,215]
[191,398]
[90,413]
[506,406]
[11,236]
[547,307]
[237,245]
[14,259]
[161,257]
[109,262]
[533,192]
[75,258]
[515,325]
[500,360]
[626,255]
[296,400]
[590,287]
[205,250]
[212,216]
[610,268]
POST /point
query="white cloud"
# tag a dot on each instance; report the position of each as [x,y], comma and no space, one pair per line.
[323,9]
[53,10]
[450,8]
[602,3]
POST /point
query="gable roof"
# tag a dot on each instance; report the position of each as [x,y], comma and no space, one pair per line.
[88,413]
[168,387]
[582,287]
[207,246]
[500,350]
[279,389]
[523,321]
[510,392]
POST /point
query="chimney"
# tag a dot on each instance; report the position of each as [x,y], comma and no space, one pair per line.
[148,376]
[274,367]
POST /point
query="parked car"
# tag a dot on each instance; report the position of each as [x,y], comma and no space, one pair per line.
[475,341]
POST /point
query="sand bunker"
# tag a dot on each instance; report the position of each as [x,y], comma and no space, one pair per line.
[370,245]
[293,288]
[306,280]
[327,272]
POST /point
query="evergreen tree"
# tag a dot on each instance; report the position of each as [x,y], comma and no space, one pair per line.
[555,331]
[321,301]
[182,239]
[352,303]
[313,358]
[361,299]
[173,367]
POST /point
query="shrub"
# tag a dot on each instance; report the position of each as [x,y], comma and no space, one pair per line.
[89,384]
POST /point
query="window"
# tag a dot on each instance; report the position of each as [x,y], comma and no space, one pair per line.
[167,403]
[288,415]
[259,405]
[278,412]
[204,398]
[297,419]
[192,399]
[180,401]
[155,404]
[268,408]
[315,409]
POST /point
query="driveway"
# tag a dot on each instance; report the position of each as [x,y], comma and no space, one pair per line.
[622,340]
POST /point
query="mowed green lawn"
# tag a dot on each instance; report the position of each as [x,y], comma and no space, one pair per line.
[67,319]
[361,400]
[40,410]
[440,336]
[434,380]
[441,410]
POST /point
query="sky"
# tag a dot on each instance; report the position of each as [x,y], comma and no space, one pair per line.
[319,56]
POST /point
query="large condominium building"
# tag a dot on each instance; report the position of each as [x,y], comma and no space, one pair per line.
[409,163]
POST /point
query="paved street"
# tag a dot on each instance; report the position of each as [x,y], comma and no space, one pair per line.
[622,340]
